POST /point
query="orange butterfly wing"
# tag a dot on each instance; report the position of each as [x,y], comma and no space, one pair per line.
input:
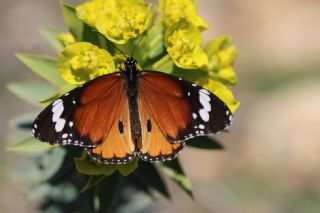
[167,103]
[182,109]
[153,144]
[117,146]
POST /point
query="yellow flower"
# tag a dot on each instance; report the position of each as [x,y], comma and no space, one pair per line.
[183,42]
[89,12]
[175,10]
[118,20]
[221,91]
[81,62]
[221,53]
[66,38]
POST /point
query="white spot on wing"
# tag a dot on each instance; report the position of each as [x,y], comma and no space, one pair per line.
[205,91]
[201,126]
[60,124]
[188,93]
[70,123]
[65,135]
[194,115]
[56,102]
[204,115]
[194,85]
[205,101]
[57,111]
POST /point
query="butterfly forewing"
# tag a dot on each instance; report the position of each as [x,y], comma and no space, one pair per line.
[83,116]
[182,110]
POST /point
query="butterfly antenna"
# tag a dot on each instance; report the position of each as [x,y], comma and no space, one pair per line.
[112,44]
[138,42]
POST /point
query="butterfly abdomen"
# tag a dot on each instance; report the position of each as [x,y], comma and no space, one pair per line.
[134,114]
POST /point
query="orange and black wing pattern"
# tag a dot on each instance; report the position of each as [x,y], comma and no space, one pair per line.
[117,146]
[153,145]
[82,117]
[181,109]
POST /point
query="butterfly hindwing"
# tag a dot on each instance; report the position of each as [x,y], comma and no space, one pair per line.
[153,145]
[117,147]
[183,110]
[83,116]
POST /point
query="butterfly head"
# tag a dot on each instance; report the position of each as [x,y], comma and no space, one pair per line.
[130,64]
[131,71]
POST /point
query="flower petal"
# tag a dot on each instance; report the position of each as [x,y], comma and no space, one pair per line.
[81,62]
[174,11]
[183,41]
[222,53]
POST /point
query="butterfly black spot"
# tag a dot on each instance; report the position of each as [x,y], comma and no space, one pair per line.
[120,125]
[149,127]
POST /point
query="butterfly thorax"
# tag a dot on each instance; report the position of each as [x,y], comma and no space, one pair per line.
[131,74]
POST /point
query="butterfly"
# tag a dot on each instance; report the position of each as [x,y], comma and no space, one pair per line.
[120,116]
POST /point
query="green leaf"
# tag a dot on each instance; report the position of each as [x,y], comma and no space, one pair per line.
[24,121]
[74,24]
[204,142]
[128,168]
[31,92]
[89,35]
[29,144]
[86,165]
[52,162]
[62,90]
[165,64]
[190,75]
[174,170]
[108,191]
[151,48]
[50,36]
[150,175]
[43,66]
[92,181]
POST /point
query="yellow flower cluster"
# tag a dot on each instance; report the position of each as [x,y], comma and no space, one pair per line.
[183,42]
[82,61]
[174,11]
[178,34]
[221,53]
[118,20]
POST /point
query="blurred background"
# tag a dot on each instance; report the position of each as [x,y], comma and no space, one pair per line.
[271,162]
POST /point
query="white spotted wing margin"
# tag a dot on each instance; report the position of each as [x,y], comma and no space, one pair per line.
[209,114]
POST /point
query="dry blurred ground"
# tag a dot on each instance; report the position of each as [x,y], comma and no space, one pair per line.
[271,162]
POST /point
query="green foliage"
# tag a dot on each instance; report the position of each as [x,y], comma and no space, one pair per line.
[42,66]
[66,178]
[74,24]
[51,36]
[31,92]
[29,144]
[174,170]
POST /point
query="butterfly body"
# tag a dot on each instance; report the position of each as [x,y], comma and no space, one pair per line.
[119,116]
